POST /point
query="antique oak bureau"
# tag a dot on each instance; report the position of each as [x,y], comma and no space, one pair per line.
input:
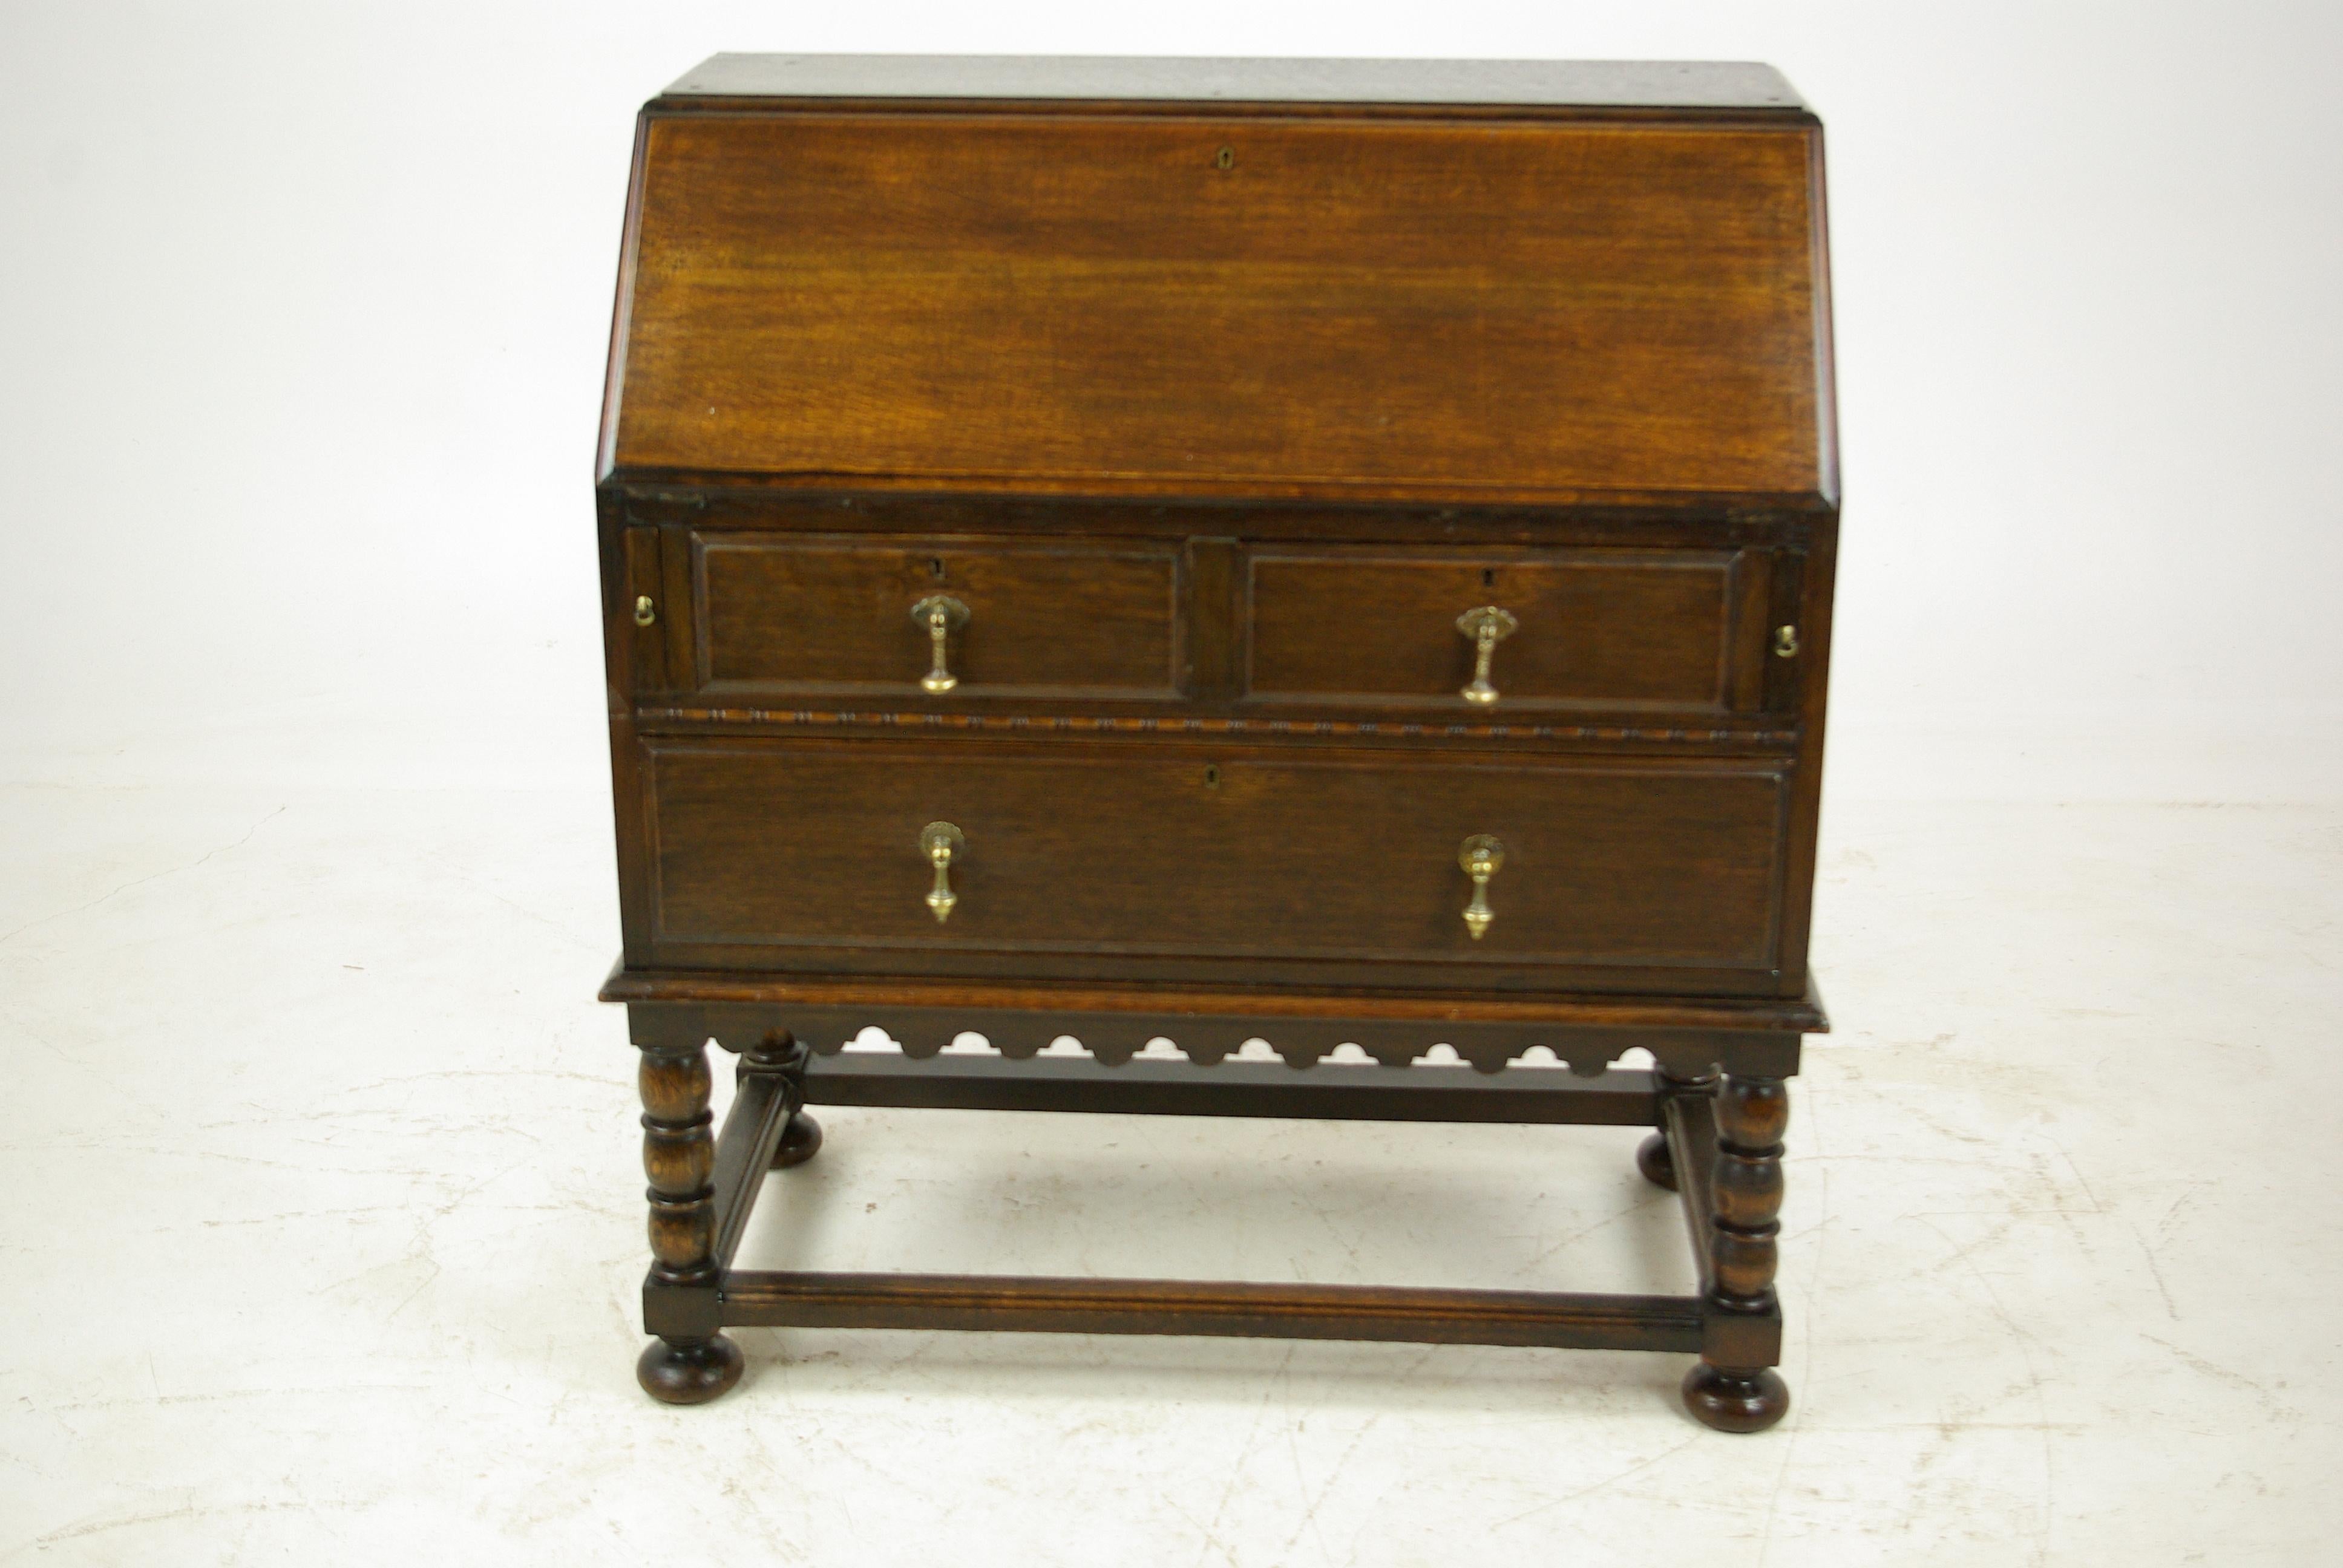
[1322,552]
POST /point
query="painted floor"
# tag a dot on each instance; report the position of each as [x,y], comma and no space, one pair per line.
[324,1232]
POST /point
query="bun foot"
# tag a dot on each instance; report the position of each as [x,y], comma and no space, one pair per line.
[1737,1401]
[688,1371]
[1657,1163]
[801,1137]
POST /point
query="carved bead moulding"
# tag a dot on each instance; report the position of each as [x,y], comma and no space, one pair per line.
[1076,723]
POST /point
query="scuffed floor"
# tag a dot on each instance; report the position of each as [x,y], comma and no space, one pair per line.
[324,1231]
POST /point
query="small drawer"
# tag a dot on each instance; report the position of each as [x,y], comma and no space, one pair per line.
[796,614]
[1681,629]
[1243,863]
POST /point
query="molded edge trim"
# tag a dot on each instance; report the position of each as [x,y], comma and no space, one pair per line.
[1770,1014]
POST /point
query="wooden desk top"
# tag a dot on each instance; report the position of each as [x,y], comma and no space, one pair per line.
[1577,84]
[1274,278]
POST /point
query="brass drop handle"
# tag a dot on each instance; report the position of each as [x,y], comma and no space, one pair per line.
[941,614]
[938,841]
[1481,857]
[1487,627]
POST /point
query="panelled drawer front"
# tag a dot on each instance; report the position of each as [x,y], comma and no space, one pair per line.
[784,614]
[1168,851]
[1591,629]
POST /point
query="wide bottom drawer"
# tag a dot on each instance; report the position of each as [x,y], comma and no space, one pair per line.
[1145,861]
[1221,863]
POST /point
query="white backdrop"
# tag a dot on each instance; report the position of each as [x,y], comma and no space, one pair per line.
[302,309]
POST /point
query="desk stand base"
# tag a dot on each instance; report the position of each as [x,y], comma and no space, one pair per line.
[1717,1143]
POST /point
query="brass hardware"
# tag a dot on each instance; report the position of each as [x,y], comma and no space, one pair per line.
[937,840]
[1487,627]
[1785,642]
[1225,159]
[1211,775]
[1480,858]
[941,614]
[645,611]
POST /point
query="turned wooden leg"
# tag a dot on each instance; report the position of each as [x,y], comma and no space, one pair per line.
[683,1366]
[1736,1387]
[784,1057]
[1653,1157]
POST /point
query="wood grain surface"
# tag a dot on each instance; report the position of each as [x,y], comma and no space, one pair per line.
[1216,391]
[1597,630]
[776,615]
[1235,852]
[1345,304]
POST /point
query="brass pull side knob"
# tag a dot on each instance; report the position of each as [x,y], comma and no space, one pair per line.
[940,615]
[938,842]
[1487,627]
[1481,857]
[645,611]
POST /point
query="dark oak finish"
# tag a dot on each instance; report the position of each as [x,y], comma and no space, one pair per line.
[778,617]
[1150,318]
[1598,629]
[1623,1099]
[1735,1387]
[1233,858]
[1113,1025]
[800,1141]
[678,1154]
[1206,396]
[1340,303]
[679,1158]
[1655,1156]
[1688,1126]
[767,1106]
[734,1001]
[1656,1161]
[1181,1307]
